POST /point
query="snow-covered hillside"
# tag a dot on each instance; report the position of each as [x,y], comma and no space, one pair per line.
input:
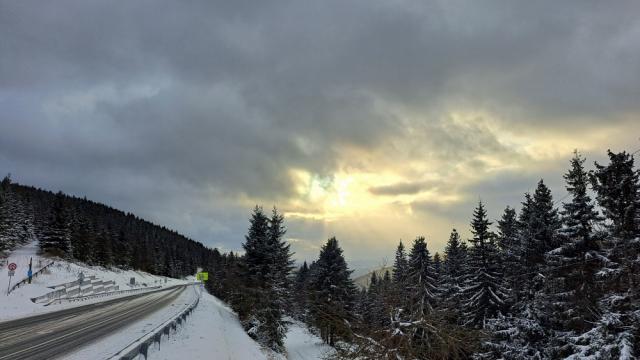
[19,304]
[213,331]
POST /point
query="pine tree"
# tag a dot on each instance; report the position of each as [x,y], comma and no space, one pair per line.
[103,255]
[254,268]
[454,272]
[267,264]
[400,266]
[508,230]
[278,285]
[509,244]
[421,280]
[332,294]
[485,297]
[538,225]
[83,242]
[437,266]
[375,306]
[57,236]
[545,223]
[17,226]
[300,293]
[617,187]
[573,265]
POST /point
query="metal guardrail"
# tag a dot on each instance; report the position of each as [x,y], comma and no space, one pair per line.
[100,295]
[25,280]
[141,345]
[77,288]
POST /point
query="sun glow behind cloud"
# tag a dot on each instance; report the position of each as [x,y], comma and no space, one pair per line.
[390,123]
[409,186]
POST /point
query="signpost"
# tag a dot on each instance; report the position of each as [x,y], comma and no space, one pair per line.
[30,272]
[12,271]
[202,276]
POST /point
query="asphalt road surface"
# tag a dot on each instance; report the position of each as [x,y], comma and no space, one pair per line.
[51,335]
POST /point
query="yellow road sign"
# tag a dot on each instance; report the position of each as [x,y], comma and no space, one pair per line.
[202,276]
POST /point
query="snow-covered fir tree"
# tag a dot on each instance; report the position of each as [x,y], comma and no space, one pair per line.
[509,244]
[538,224]
[421,280]
[454,270]
[484,294]
[332,294]
[437,266]
[300,292]
[57,237]
[16,217]
[266,266]
[400,266]
[376,309]
[572,290]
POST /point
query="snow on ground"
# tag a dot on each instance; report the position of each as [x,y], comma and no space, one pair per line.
[112,344]
[214,332]
[18,303]
[303,345]
[211,332]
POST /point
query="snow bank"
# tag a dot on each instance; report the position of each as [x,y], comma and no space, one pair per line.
[18,303]
[303,345]
[212,332]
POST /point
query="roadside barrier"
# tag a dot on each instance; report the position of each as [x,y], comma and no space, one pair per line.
[98,295]
[78,288]
[141,345]
[25,280]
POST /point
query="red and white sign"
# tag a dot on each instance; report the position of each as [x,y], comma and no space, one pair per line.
[12,266]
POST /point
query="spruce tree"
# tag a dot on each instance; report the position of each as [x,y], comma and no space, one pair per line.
[376,313]
[538,225]
[57,236]
[508,230]
[400,266]
[545,223]
[422,286]
[485,297]
[437,266]
[4,244]
[615,332]
[509,244]
[266,266]
[254,268]
[83,242]
[332,294]
[300,291]
[278,284]
[454,272]
[16,227]
[572,290]
[617,188]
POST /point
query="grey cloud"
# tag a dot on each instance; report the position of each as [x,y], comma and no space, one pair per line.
[166,97]
[404,188]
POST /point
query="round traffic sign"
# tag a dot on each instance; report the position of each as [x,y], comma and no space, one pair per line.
[13,266]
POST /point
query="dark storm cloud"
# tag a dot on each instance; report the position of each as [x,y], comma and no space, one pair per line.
[136,102]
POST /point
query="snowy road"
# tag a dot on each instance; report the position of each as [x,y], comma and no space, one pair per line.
[53,334]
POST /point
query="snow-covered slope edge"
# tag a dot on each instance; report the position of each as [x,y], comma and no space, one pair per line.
[18,304]
[214,332]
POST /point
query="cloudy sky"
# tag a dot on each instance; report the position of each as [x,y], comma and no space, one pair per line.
[369,120]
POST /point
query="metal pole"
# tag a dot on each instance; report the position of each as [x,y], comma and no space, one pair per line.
[30,272]
[9,286]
